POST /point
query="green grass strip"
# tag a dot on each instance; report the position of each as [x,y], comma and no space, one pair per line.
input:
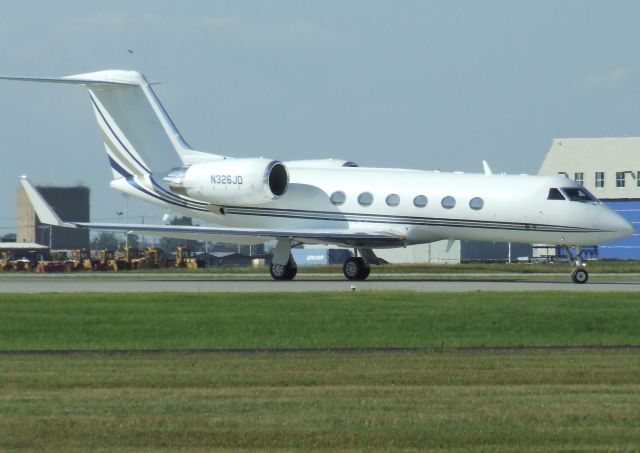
[317,320]
[516,402]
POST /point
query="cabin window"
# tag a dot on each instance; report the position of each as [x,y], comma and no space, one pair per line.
[620,178]
[578,194]
[393,200]
[476,203]
[555,194]
[579,177]
[338,198]
[365,199]
[420,201]
[599,179]
[448,202]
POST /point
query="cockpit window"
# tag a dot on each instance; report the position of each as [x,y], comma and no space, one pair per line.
[555,194]
[578,194]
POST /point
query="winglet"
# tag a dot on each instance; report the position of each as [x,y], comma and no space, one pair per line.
[487,169]
[44,211]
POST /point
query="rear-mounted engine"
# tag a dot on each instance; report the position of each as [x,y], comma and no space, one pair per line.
[231,181]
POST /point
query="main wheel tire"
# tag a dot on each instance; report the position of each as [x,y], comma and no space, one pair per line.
[580,276]
[355,269]
[284,271]
[277,271]
[290,271]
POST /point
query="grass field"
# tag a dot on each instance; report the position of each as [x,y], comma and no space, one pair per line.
[436,397]
[330,320]
[483,401]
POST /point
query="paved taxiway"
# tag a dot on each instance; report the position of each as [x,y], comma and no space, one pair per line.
[179,286]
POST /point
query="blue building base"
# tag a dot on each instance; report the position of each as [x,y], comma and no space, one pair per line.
[626,248]
[321,256]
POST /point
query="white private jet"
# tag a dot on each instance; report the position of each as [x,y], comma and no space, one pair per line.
[253,200]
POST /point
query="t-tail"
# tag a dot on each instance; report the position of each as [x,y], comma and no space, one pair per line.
[139,136]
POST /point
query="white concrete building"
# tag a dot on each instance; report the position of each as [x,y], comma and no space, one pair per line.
[608,167]
[434,252]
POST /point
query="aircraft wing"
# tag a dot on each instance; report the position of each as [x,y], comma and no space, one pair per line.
[349,237]
[353,238]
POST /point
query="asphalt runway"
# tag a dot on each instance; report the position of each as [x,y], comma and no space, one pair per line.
[142,285]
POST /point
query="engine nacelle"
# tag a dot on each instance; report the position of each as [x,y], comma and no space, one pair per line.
[320,163]
[231,181]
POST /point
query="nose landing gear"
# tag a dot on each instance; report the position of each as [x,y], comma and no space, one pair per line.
[579,272]
[579,275]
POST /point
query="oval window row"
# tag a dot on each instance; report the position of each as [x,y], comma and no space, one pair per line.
[420,201]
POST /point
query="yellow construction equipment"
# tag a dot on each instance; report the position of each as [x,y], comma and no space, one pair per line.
[8,262]
[55,263]
[185,258]
[133,258]
[154,257]
[80,260]
[106,260]
[5,262]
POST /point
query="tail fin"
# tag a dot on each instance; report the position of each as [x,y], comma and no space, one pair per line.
[138,134]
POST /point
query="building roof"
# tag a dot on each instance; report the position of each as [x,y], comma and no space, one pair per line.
[24,246]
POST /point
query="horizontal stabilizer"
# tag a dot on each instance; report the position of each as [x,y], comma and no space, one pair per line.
[42,208]
[70,80]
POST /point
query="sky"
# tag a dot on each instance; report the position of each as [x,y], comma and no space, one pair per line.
[412,84]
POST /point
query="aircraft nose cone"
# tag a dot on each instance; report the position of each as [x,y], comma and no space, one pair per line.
[618,224]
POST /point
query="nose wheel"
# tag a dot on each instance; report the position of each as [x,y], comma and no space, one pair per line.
[356,269]
[579,273]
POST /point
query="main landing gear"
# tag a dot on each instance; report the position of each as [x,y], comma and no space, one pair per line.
[356,268]
[579,272]
[284,271]
[359,267]
[283,266]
